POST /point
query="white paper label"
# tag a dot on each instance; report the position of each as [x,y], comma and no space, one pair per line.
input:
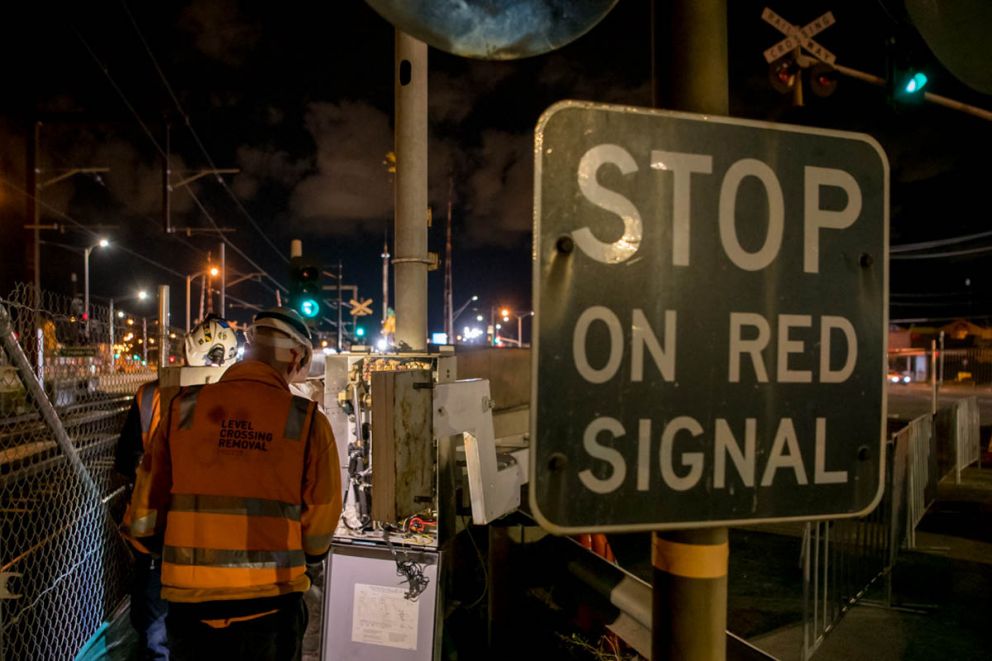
[383,616]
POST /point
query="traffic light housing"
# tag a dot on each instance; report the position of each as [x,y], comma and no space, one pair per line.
[305,288]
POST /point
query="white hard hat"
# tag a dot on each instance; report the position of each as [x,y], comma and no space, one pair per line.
[212,342]
[290,323]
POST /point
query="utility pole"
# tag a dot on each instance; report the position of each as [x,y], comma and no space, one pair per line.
[35,186]
[449,325]
[385,279]
[411,192]
[689,575]
[223,278]
[168,188]
[340,305]
[164,321]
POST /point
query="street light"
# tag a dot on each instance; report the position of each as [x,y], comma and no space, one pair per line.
[458,313]
[102,243]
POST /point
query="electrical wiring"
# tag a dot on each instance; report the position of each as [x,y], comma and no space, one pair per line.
[936,243]
[210,218]
[950,253]
[482,564]
[75,223]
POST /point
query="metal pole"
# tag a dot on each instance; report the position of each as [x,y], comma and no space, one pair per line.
[166,185]
[110,329]
[295,248]
[189,281]
[520,330]
[941,382]
[689,614]
[933,378]
[385,280]
[86,289]
[223,277]
[40,348]
[411,192]
[340,276]
[164,321]
[144,339]
[33,175]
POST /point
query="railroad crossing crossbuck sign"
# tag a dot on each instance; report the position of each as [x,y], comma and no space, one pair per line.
[360,308]
[711,306]
[796,36]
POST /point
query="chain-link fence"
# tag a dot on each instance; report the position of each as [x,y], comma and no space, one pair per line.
[66,382]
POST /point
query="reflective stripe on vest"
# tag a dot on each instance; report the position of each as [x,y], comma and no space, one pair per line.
[297,417]
[146,406]
[239,559]
[187,406]
[234,505]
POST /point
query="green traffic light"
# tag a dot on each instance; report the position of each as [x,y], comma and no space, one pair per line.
[916,83]
[360,332]
[309,308]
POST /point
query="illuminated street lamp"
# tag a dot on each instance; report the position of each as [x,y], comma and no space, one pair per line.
[102,243]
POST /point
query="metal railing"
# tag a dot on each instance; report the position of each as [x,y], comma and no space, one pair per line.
[65,388]
[843,558]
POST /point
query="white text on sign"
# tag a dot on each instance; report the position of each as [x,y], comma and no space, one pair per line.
[784,348]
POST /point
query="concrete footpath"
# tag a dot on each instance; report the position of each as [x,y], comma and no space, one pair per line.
[942,591]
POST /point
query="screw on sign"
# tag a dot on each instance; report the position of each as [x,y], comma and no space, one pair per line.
[711,299]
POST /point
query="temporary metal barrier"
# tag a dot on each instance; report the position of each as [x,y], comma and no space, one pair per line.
[919,475]
[843,558]
[63,400]
[967,439]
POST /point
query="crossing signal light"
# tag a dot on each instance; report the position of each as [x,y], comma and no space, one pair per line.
[783,74]
[822,79]
[305,287]
[905,81]
[359,331]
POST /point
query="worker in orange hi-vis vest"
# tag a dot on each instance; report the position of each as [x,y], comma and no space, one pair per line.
[241,490]
[211,343]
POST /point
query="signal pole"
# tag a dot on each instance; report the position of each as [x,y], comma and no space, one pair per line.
[449,325]
[689,575]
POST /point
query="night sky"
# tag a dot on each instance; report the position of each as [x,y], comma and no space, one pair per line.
[299,97]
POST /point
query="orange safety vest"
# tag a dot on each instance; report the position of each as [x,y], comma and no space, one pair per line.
[247,476]
[149,399]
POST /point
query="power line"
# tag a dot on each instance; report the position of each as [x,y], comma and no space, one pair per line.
[210,218]
[120,92]
[196,137]
[951,253]
[162,152]
[83,227]
[909,247]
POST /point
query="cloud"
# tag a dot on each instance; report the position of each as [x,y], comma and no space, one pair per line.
[260,166]
[351,189]
[453,97]
[501,190]
[219,30]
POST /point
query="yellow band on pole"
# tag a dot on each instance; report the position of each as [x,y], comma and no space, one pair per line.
[690,560]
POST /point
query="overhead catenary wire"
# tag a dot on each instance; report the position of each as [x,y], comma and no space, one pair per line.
[196,136]
[162,152]
[210,218]
[937,243]
[947,253]
[82,226]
